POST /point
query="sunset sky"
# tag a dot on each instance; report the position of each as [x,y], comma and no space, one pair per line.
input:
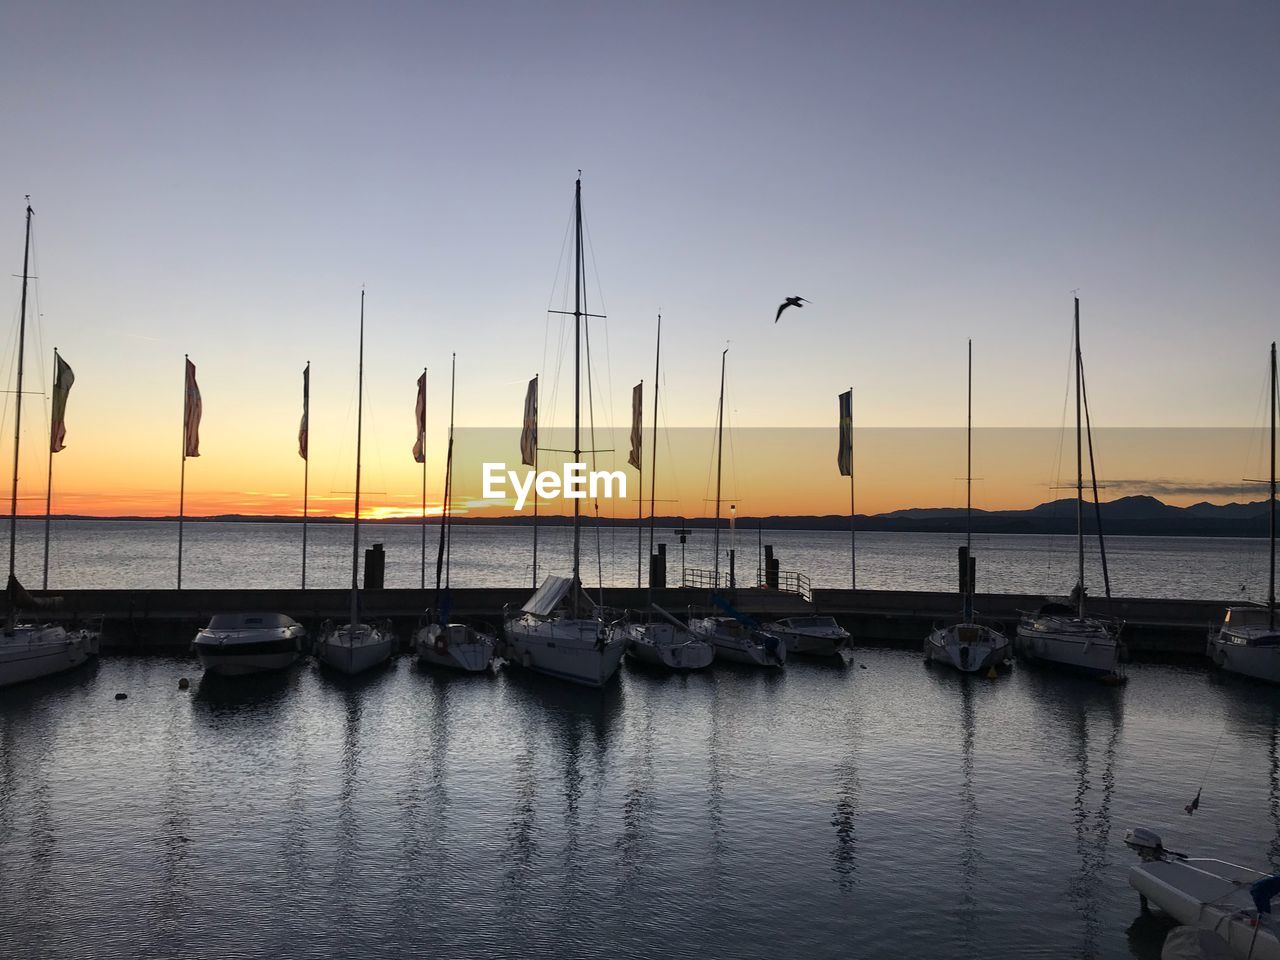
[220,180]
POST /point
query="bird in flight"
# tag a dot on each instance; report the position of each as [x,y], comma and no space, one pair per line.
[789,302]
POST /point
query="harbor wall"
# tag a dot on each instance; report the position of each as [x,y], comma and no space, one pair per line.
[165,621]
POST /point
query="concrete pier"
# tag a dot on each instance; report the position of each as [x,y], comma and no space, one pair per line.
[166,620]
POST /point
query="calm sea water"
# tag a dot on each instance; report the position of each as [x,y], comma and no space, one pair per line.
[896,810]
[141,554]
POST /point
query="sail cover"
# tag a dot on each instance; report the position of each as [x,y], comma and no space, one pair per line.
[548,596]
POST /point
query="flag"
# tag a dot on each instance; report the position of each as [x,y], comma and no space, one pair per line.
[303,436]
[63,378]
[529,435]
[420,418]
[191,410]
[637,410]
[844,457]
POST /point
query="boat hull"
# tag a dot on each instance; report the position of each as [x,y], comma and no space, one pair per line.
[33,652]
[969,647]
[1259,661]
[740,644]
[233,655]
[1211,894]
[455,647]
[579,651]
[1080,647]
[350,654]
[662,645]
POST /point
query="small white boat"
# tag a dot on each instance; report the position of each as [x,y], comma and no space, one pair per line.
[739,642]
[1060,634]
[30,651]
[812,636]
[1211,895]
[969,647]
[457,646]
[239,643]
[549,636]
[1248,643]
[669,645]
[354,648]
[1056,634]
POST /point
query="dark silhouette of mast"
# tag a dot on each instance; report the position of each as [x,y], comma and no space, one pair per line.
[653,456]
[1271,588]
[576,586]
[355,526]
[17,415]
[719,460]
[1079,473]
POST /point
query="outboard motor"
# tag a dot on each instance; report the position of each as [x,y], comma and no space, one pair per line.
[1146,842]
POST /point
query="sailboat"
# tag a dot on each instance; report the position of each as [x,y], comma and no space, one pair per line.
[441,643]
[665,642]
[560,631]
[969,646]
[1248,641]
[29,650]
[1059,633]
[354,647]
[736,636]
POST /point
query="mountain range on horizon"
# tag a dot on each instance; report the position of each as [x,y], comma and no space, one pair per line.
[1138,515]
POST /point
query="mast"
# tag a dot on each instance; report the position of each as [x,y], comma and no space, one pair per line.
[48,488]
[968,495]
[17,416]
[423,585]
[640,499]
[355,526]
[719,462]
[1271,588]
[306,466]
[442,552]
[575,588]
[1079,474]
[653,456]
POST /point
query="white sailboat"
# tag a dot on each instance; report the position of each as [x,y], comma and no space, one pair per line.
[1218,900]
[32,650]
[969,646]
[354,647]
[560,631]
[811,636]
[1059,634]
[736,637]
[458,646]
[664,642]
[1248,641]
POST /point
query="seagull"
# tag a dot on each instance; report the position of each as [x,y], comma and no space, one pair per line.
[790,302]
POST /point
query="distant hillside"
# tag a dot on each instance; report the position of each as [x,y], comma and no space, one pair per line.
[1127,516]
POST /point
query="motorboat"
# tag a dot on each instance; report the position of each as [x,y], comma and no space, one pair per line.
[741,642]
[811,636]
[240,643]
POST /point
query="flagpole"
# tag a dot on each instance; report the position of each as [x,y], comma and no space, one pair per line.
[423,427]
[306,464]
[48,489]
[536,398]
[182,481]
[640,502]
[853,547]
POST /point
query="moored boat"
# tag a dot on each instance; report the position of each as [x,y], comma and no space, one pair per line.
[1248,641]
[667,644]
[551,635]
[811,636]
[239,643]
[740,642]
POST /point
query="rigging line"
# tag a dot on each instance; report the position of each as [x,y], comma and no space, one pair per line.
[1093,477]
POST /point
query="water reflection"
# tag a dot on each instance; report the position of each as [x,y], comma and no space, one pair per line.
[844,855]
[970,855]
[637,812]
[172,902]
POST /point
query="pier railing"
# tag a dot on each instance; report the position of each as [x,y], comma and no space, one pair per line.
[789,581]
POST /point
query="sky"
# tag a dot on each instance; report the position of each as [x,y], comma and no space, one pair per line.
[221,180]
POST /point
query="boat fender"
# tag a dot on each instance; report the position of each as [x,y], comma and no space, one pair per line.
[183,683]
[441,644]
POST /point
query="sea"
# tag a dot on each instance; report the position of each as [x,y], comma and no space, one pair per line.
[876,807]
[143,554]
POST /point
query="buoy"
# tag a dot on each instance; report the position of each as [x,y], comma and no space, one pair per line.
[122,696]
[183,683]
[991,672]
[862,666]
